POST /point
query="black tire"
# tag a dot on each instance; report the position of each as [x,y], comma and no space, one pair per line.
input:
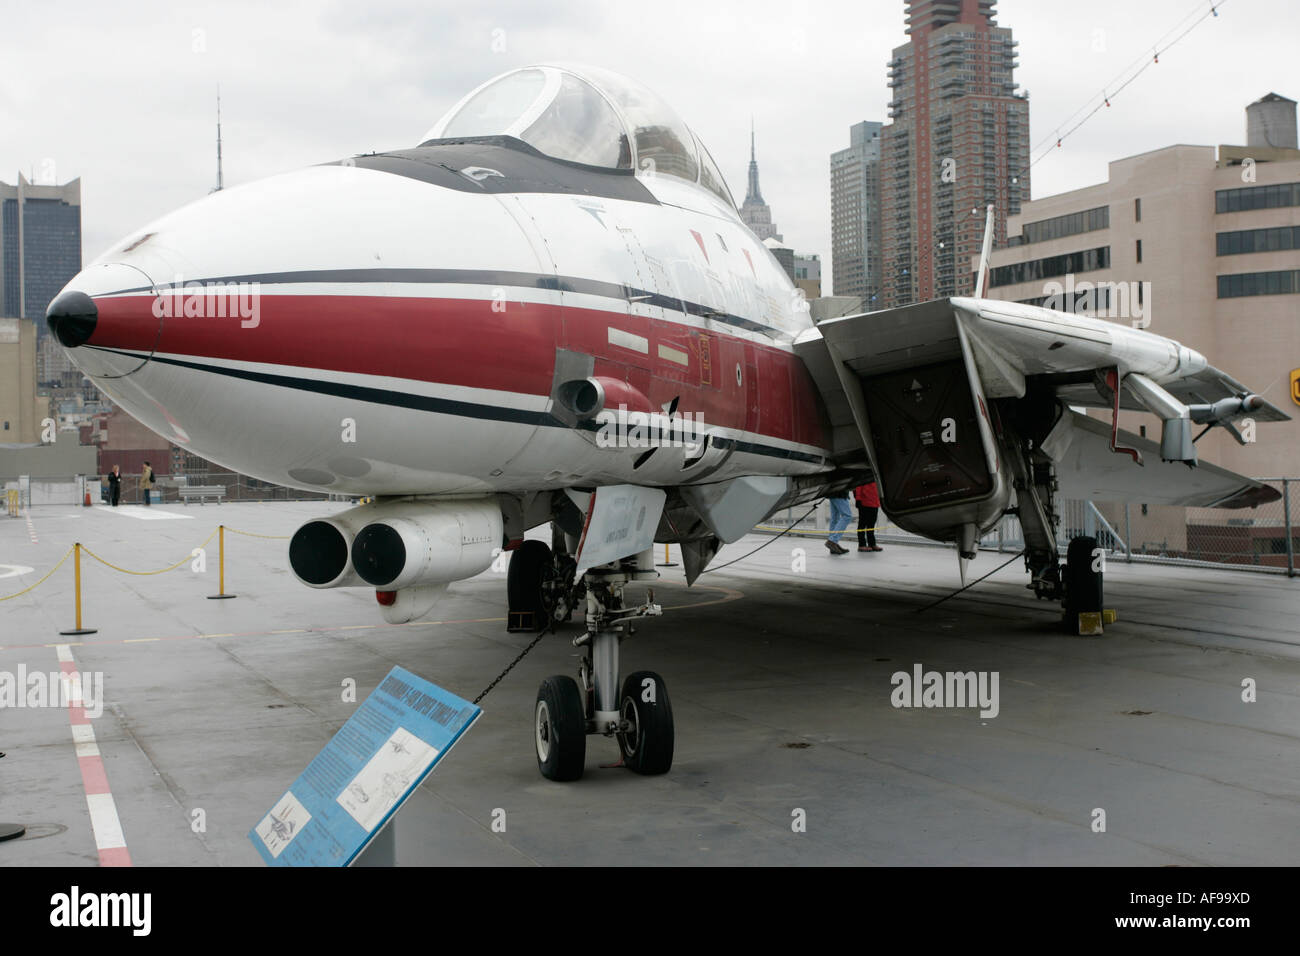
[648,747]
[560,729]
[1083,585]
[527,608]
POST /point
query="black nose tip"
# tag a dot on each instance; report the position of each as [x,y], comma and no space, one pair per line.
[72,317]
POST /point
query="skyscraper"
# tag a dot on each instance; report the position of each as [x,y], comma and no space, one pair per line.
[959,141]
[855,215]
[40,245]
[753,211]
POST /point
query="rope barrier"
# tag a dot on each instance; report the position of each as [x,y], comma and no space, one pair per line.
[8,597]
[254,534]
[143,574]
[172,567]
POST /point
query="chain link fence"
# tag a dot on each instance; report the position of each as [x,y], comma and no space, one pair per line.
[71,489]
[1250,539]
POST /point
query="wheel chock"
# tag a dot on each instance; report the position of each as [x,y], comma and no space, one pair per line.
[1109,616]
[521,621]
[1090,623]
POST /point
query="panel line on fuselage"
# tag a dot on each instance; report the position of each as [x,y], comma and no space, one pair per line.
[488,277]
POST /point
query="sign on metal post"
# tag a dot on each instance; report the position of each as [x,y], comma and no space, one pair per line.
[361,778]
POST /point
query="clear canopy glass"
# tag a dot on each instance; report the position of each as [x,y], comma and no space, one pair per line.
[586,115]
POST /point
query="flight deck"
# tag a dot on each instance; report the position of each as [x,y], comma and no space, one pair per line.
[783,671]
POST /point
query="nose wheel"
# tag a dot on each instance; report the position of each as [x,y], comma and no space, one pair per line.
[560,729]
[647,741]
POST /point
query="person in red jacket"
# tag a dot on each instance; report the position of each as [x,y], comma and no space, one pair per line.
[868,499]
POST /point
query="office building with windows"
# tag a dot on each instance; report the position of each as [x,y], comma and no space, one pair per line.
[1198,244]
[40,244]
[855,215]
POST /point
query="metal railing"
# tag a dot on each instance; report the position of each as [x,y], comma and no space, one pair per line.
[166,490]
[1264,538]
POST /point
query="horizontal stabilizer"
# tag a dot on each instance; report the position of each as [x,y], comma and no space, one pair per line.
[1086,468]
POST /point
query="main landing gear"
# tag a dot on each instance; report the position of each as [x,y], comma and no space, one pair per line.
[637,712]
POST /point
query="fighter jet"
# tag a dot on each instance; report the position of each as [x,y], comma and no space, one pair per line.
[549,313]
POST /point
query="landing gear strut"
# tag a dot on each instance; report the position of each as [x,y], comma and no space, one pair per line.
[637,713]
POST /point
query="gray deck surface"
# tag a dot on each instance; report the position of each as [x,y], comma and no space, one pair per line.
[780,687]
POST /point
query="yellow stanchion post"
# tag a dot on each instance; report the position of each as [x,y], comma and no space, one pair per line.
[667,562]
[76,565]
[221,594]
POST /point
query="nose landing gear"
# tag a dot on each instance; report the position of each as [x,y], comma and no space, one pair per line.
[638,713]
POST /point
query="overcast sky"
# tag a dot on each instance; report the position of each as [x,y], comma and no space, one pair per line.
[122,94]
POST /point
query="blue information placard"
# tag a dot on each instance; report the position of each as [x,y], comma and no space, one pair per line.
[365,773]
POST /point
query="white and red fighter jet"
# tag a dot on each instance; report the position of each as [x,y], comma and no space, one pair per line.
[550,312]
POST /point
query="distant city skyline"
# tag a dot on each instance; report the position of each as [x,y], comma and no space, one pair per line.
[804,73]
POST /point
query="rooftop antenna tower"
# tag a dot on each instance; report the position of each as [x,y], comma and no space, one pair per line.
[220,179]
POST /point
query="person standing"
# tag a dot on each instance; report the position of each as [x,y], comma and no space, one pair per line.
[115,485]
[868,499]
[146,482]
[840,518]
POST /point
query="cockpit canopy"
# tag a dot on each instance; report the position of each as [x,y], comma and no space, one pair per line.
[585,115]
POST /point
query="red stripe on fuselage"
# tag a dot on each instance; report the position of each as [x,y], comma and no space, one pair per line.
[501,345]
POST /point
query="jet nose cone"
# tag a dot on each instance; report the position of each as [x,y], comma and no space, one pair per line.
[72,318]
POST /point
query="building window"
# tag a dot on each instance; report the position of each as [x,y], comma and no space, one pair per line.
[1087,260]
[1257,240]
[1071,224]
[1137,210]
[1259,283]
[1139,250]
[1257,197]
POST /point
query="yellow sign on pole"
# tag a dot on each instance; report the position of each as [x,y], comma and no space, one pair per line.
[1295,385]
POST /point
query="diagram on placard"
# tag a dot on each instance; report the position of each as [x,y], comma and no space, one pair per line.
[386,777]
[285,821]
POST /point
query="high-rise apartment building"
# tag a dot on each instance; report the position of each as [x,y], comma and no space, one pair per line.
[855,215]
[959,141]
[753,211]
